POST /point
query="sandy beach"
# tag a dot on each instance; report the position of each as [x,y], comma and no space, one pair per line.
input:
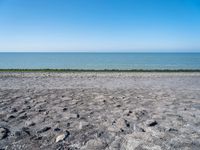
[97,111]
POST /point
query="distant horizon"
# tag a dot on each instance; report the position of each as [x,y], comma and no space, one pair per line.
[99,51]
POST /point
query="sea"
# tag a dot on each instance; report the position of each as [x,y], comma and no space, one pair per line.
[99,61]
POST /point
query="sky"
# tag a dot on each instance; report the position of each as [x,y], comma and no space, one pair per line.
[100,25]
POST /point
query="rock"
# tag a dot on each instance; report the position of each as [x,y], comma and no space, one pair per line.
[62,137]
[137,128]
[10,117]
[44,129]
[29,123]
[116,144]
[94,144]
[118,106]
[77,115]
[13,110]
[64,109]
[41,110]
[23,116]
[38,138]
[130,143]
[3,133]
[151,123]
[57,129]
[141,114]
[119,125]
[17,133]
[127,123]
[82,124]
[26,130]
[138,141]
[70,116]
[172,130]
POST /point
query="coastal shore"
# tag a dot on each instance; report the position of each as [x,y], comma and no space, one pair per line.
[100,110]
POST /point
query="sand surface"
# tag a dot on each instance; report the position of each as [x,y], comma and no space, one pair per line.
[94,111]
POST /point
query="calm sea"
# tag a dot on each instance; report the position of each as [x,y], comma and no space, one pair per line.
[100,60]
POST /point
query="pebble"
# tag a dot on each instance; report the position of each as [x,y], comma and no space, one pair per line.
[23,117]
[29,123]
[82,124]
[62,137]
[11,117]
[94,144]
[172,130]
[13,110]
[44,129]
[57,129]
[64,109]
[26,130]
[151,123]
[3,133]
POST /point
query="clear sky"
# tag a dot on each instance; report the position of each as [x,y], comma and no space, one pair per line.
[100,25]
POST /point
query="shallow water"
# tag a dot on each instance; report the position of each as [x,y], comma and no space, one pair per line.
[100,60]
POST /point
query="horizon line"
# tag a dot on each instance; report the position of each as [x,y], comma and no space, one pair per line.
[100,51]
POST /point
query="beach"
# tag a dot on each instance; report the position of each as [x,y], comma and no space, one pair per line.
[100,110]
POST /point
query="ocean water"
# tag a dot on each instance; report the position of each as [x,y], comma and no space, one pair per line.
[99,60]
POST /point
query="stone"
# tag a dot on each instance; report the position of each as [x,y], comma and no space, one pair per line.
[136,128]
[13,110]
[3,133]
[118,106]
[29,123]
[130,143]
[26,130]
[138,141]
[151,123]
[11,117]
[23,116]
[94,144]
[141,114]
[44,129]
[82,124]
[64,109]
[172,130]
[62,137]
[57,129]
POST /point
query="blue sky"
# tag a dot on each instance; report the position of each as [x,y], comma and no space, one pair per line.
[100,25]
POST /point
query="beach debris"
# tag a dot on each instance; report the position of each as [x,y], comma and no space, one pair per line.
[3,133]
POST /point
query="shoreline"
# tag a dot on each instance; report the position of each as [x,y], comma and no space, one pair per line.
[99,70]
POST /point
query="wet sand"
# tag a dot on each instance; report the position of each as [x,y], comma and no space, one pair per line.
[94,111]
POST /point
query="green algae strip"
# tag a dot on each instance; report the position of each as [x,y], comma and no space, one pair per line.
[104,70]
